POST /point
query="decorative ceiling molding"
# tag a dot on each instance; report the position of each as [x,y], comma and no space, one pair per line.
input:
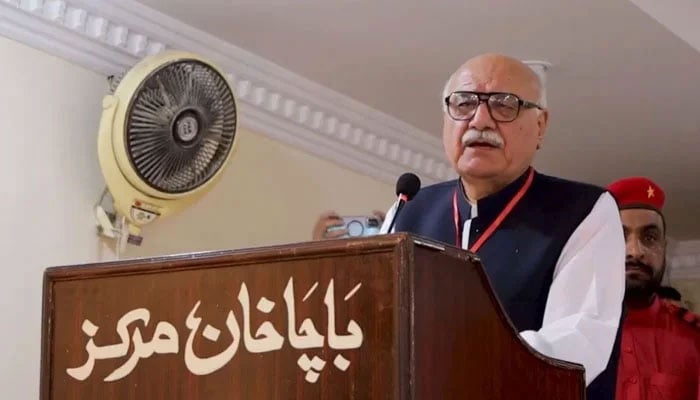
[109,37]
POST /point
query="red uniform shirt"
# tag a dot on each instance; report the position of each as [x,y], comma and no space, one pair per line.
[659,354]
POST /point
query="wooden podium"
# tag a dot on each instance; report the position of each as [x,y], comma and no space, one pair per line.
[388,317]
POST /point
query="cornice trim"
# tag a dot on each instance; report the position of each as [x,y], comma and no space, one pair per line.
[109,37]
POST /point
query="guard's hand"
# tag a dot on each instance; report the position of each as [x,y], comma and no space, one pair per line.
[327,220]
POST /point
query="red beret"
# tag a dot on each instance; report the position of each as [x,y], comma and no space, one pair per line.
[637,192]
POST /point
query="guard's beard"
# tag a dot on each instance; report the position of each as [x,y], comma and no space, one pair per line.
[641,290]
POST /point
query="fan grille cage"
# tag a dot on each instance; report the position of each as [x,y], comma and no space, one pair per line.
[181,125]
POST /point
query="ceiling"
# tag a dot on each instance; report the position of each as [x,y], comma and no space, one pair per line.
[623,92]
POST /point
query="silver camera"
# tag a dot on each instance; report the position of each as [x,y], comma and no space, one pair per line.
[359,226]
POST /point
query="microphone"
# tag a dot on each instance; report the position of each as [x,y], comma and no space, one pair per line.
[407,186]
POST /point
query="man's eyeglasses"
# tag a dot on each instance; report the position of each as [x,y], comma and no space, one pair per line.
[503,107]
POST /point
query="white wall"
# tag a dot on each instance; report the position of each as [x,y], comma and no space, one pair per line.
[51,179]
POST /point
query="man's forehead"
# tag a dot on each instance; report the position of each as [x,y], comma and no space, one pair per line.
[637,218]
[493,79]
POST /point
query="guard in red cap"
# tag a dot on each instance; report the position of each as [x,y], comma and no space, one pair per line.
[660,351]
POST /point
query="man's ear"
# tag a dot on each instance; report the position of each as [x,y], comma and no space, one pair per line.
[542,121]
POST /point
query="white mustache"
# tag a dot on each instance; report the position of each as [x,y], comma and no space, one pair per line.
[489,137]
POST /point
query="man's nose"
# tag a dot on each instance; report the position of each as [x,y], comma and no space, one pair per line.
[634,249]
[482,119]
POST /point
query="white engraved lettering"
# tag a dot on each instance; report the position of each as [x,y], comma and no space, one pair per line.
[311,337]
[165,340]
[312,367]
[351,341]
[341,362]
[266,337]
[207,365]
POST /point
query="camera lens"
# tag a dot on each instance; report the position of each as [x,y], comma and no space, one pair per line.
[355,228]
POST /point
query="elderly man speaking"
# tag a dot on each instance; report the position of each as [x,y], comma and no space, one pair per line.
[553,249]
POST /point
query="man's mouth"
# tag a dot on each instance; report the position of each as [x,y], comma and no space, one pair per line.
[481,144]
[634,267]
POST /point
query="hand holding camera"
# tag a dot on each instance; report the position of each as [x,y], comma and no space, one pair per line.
[331,225]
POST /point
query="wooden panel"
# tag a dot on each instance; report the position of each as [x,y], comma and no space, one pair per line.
[193,326]
[467,345]
[199,307]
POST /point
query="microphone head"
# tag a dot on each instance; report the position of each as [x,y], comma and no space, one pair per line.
[408,185]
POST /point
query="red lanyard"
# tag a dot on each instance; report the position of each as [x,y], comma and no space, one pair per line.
[499,219]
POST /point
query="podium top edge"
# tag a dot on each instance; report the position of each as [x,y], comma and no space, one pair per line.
[214,258]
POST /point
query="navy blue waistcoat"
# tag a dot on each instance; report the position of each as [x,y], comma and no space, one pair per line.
[520,257]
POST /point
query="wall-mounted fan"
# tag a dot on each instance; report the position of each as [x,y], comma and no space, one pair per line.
[166,134]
